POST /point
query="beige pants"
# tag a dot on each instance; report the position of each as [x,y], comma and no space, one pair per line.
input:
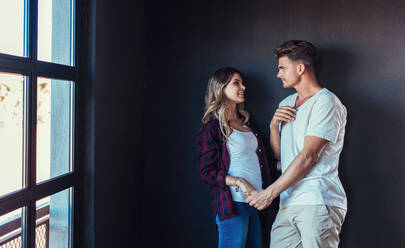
[307,226]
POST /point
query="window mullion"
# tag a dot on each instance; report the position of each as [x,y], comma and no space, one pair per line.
[14,64]
[30,210]
[14,200]
[28,237]
[56,71]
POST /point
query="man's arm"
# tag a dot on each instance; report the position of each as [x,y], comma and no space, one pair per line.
[283,113]
[275,141]
[299,167]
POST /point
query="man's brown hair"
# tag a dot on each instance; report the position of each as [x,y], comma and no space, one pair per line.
[298,50]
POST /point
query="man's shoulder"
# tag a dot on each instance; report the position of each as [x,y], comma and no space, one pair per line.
[287,100]
[327,100]
[328,97]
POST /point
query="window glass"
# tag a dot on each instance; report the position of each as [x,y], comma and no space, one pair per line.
[12,27]
[10,229]
[54,128]
[11,132]
[55,31]
[54,217]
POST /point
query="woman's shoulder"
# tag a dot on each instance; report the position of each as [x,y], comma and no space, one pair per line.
[208,134]
[210,126]
[211,123]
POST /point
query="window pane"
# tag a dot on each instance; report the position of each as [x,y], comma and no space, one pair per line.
[54,128]
[55,31]
[54,220]
[10,229]
[12,27]
[11,132]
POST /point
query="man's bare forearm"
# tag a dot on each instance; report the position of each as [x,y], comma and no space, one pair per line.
[299,167]
[275,141]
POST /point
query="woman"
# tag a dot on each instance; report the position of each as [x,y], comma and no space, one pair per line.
[232,159]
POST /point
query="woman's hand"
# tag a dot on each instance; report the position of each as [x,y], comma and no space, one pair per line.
[244,185]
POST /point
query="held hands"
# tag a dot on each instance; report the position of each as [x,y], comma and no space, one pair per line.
[283,113]
[258,199]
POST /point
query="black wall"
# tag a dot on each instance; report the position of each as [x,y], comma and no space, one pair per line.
[119,80]
[362,45]
[144,68]
[112,62]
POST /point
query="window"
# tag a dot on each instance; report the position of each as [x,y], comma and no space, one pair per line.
[38,85]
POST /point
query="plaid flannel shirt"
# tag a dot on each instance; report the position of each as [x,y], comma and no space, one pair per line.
[214,165]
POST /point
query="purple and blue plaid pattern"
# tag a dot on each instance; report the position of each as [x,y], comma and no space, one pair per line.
[214,164]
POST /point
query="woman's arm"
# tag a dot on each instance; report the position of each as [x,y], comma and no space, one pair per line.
[208,146]
[210,174]
[240,182]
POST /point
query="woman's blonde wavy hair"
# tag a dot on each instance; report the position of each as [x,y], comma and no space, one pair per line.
[215,101]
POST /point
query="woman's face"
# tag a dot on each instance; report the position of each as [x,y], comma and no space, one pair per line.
[235,90]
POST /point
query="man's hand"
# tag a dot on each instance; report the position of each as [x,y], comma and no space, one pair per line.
[260,199]
[283,113]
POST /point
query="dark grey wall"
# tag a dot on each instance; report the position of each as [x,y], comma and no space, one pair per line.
[113,73]
[362,46]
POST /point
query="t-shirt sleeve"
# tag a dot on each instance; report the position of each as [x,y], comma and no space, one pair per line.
[324,121]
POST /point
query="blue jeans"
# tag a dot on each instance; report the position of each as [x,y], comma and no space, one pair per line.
[241,231]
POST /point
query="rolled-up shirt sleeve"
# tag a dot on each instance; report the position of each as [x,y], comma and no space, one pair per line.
[208,146]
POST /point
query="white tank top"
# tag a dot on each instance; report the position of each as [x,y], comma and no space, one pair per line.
[244,162]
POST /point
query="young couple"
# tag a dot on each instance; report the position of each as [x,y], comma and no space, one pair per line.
[306,136]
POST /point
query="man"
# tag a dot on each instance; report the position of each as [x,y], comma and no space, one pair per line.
[306,135]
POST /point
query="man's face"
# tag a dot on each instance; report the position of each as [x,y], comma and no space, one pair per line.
[288,72]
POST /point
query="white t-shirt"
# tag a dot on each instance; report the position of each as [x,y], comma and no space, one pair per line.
[244,162]
[324,116]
